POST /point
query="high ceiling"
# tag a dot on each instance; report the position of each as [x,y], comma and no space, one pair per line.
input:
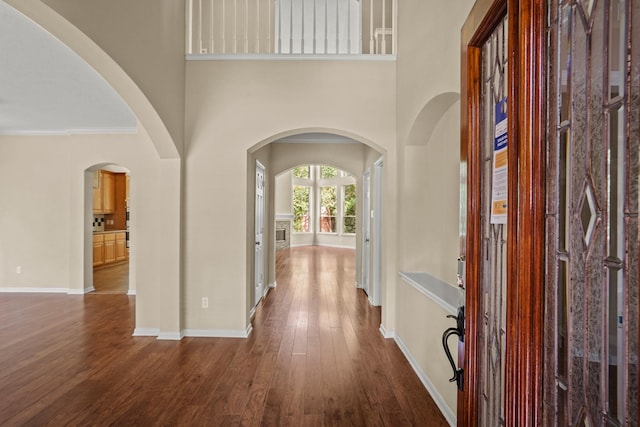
[45,88]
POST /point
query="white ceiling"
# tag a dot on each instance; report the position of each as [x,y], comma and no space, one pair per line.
[45,88]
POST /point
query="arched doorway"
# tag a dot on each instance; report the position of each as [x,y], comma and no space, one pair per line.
[283,154]
[107,228]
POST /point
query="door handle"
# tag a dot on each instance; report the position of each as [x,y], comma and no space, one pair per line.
[457,373]
[458,330]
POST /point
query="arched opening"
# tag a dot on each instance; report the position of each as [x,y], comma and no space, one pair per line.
[350,160]
[107,263]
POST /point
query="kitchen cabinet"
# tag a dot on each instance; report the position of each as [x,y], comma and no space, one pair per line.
[109,248]
[121,247]
[97,193]
[108,198]
[98,250]
[103,193]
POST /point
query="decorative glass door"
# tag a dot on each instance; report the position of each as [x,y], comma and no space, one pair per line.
[493,268]
[591,327]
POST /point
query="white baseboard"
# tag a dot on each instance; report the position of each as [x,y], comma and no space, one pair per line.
[34,290]
[170,336]
[325,245]
[146,332]
[131,292]
[273,285]
[80,291]
[433,391]
[217,333]
[385,333]
[359,286]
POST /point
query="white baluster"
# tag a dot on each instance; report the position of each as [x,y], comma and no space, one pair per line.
[359,27]
[189,24]
[326,26]
[290,26]
[315,36]
[302,31]
[337,26]
[224,26]
[279,26]
[235,26]
[257,26]
[212,43]
[269,27]
[384,26]
[371,41]
[349,26]
[200,26]
[246,26]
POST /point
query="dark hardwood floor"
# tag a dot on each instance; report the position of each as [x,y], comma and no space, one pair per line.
[315,357]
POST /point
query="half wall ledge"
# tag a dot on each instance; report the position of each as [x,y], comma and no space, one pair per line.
[444,294]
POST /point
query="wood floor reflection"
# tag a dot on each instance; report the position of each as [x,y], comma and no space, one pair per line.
[111,280]
[315,357]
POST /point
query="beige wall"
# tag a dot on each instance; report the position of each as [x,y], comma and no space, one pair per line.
[223,129]
[146,38]
[232,110]
[45,221]
[431,191]
[428,151]
[284,195]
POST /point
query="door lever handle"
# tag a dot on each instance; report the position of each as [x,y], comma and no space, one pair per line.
[457,373]
[458,330]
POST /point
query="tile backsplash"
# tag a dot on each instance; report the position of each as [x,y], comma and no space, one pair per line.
[98,223]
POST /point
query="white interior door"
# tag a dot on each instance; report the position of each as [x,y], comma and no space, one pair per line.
[259,243]
[366,231]
[376,219]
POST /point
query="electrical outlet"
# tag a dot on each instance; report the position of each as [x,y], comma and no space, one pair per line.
[205,302]
[19,269]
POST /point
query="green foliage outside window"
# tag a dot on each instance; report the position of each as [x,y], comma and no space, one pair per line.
[301,172]
[328,205]
[328,172]
[350,208]
[300,207]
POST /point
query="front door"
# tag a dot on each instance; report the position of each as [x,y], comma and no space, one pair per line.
[259,231]
[487,241]
[551,333]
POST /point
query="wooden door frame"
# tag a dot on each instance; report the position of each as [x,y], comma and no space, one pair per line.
[526,214]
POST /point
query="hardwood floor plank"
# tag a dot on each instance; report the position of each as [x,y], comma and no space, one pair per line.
[315,358]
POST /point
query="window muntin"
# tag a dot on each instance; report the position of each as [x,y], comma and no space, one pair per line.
[324,200]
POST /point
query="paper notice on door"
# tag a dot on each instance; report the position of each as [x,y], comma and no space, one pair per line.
[500,167]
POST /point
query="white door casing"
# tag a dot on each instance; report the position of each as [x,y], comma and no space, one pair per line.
[259,233]
[366,231]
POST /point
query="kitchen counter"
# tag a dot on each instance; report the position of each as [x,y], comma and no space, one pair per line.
[109,231]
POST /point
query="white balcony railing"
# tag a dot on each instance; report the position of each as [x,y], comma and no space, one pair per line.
[290,27]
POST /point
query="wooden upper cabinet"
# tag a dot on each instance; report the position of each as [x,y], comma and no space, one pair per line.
[108,196]
[97,192]
[103,193]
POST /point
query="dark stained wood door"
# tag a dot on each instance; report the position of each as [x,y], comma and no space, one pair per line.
[571,325]
[503,79]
